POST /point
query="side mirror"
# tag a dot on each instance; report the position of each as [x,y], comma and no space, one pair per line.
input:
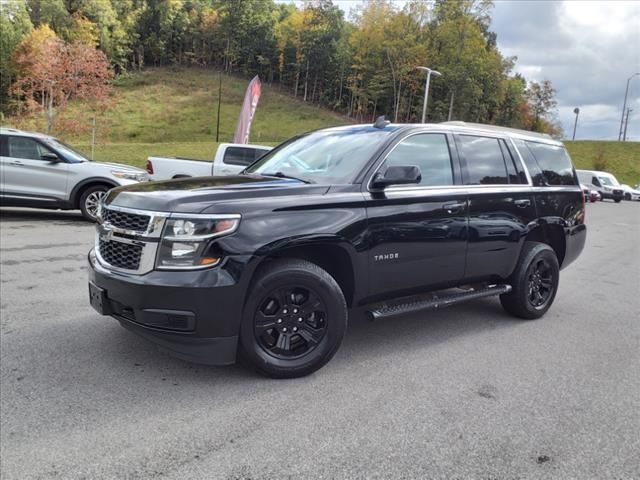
[397,176]
[50,157]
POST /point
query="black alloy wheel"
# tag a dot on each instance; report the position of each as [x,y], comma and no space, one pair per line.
[294,319]
[534,282]
[290,322]
[540,283]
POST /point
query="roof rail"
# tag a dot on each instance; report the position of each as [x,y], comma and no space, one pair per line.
[498,128]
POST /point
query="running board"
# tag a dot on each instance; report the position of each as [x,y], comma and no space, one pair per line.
[437,300]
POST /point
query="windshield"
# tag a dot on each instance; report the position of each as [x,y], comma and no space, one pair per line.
[326,156]
[608,181]
[70,154]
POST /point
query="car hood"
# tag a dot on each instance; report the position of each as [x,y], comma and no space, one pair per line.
[193,195]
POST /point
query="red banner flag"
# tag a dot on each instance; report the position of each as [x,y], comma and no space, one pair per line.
[248,110]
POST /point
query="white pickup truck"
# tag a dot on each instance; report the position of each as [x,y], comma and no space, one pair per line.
[230,158]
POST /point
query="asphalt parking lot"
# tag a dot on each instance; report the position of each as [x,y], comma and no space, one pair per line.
[465,392]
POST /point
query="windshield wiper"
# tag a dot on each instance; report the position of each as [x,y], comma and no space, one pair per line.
[282,175]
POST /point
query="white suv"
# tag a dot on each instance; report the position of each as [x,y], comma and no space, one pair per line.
[39,171]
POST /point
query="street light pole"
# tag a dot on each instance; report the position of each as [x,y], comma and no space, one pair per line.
[575,125]
[626,124]
[624,105]
[426,89]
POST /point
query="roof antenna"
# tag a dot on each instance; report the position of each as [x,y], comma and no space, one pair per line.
[381,122]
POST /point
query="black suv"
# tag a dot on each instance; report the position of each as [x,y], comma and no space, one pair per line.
[389,218]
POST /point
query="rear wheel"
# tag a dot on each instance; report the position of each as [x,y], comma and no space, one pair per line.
[90,199]
[534,282]
[294,320]
[617,200]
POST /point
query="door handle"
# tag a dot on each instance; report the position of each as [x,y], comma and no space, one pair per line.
[454,207]
[523,203]
[17,164]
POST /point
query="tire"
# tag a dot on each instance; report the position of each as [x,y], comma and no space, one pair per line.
[627,196]
[617,200]
[534,282]
[301,299]
[88,201]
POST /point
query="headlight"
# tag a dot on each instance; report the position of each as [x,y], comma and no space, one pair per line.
[137,176]
[186,241]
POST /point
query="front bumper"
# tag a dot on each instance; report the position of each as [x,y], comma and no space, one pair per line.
[192,315]
[612,195]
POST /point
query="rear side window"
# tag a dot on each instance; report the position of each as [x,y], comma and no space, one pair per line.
[241,156]
[430,153]
[554,162]
[486,164]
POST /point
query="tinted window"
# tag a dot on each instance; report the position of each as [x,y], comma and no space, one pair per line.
[241,156]
[485,162]
[534,170]
[516,175]
[430,153]
[27,148]
[554,163]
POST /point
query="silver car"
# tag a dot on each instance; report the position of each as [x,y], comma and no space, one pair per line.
[40,171]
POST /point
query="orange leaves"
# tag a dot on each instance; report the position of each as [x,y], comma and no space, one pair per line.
[51,72]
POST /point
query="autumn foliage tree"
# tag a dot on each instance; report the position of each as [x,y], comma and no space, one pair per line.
[52,72]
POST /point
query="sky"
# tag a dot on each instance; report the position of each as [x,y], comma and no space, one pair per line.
[587,49]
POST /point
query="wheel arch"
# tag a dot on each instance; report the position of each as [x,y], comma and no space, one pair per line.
[551,234]
[79,189]
[334,257]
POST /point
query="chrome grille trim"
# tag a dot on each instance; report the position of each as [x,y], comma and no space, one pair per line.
[145,241]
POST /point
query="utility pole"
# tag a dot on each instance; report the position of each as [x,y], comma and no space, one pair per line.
[626,124]
[575,125]
[219,102]
[93,138]
[426,89]
[624,104]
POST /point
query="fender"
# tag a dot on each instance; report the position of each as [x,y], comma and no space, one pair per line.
[331,252]
[73,198]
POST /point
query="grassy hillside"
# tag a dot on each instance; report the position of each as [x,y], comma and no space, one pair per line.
[165,111]
[620,158]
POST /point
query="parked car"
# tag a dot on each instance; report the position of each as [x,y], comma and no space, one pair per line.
[630,193]
[230,158]
[267,265]
[40,171]
[590,195]
[603,182]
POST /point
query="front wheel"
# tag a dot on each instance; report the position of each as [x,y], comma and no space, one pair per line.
[294,319]
[534,282]
[90,199]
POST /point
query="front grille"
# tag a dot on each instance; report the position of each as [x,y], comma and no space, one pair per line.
[129,221]
[120,255]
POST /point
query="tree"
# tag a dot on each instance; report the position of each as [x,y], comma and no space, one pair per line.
[541,102]
[14,25]
[51,72]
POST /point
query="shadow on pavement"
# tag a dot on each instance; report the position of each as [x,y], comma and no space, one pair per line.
[9,214]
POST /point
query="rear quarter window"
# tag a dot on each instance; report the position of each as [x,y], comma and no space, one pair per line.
[554,162]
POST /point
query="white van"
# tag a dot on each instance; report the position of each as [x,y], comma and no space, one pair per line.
[605,183]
